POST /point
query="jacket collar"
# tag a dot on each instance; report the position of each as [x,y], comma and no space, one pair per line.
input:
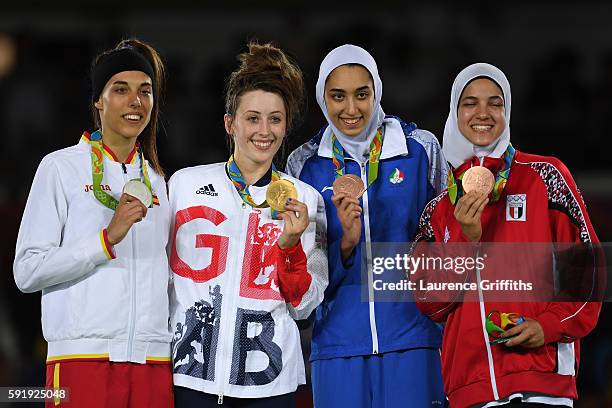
[132,157]
[394,142]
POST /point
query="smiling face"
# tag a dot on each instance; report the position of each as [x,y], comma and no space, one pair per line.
[481,115]
[257,127]
[349,98]
[125,105]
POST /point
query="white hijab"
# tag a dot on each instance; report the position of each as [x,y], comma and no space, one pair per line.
[456,147]
[357,146]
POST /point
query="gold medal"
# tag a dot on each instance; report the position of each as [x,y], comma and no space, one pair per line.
[278,192]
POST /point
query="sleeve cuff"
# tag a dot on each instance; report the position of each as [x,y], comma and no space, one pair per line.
[350,261]
[551,324]
[294,255]
[335,257]
[291,250]
[108,249]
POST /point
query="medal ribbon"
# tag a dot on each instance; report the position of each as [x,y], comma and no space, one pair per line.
[97,171]
[243,189]
[455,190]
[375,150]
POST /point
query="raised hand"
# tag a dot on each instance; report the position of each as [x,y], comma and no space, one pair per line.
[129,211]
[349,214]
[468,211]
[296,222]
[529,335]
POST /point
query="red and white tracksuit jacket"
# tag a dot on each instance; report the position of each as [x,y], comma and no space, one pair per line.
[235,293]
[540,204]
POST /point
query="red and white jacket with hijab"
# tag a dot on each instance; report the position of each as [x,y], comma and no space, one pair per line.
[475,372]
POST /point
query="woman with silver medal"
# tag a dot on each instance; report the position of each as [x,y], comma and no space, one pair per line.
[93,239]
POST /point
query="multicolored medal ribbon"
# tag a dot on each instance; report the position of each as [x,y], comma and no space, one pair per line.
[243,189]
[455,190]
[97,171]
[375,150]
[506,322]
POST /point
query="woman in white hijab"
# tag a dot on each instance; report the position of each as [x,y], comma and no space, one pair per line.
[498,194]
[369,351]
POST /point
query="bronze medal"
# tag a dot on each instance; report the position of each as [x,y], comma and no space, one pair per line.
[478,178]
[278,192]
[349,184]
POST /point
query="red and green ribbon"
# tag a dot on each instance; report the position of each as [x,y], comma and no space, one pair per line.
[374,158]
[97,171]
[455,190]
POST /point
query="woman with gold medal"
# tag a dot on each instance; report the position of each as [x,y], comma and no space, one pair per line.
[247,250]
[93,240]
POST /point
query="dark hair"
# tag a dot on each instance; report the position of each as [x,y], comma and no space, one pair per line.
[267,68]
[148,137]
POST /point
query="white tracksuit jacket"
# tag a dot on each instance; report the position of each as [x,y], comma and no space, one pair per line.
[94,306]
[235,297]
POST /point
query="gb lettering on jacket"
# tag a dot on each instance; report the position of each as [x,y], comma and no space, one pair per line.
[260,256]
[198,335]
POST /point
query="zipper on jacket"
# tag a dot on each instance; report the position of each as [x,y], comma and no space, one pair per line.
[133,296]
[132,319]
[368,244]
[230,306]
[486,336]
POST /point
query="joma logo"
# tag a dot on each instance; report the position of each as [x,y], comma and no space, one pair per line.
[104,187]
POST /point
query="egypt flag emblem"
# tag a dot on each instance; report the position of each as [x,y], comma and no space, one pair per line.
[516,207]
[397,176]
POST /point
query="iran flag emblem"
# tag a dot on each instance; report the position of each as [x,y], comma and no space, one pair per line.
[397,176]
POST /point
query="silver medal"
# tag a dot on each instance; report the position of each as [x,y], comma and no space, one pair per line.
[139,190]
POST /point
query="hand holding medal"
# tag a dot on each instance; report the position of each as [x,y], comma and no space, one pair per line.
[349,184]
[477,183]
[498,323]
[347,191]
[479,179]
[468,211]
[139,190]
[296,221]
[348,188]
[278,193]
[129,210]
[512,329]
[282,198]
[136,197]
